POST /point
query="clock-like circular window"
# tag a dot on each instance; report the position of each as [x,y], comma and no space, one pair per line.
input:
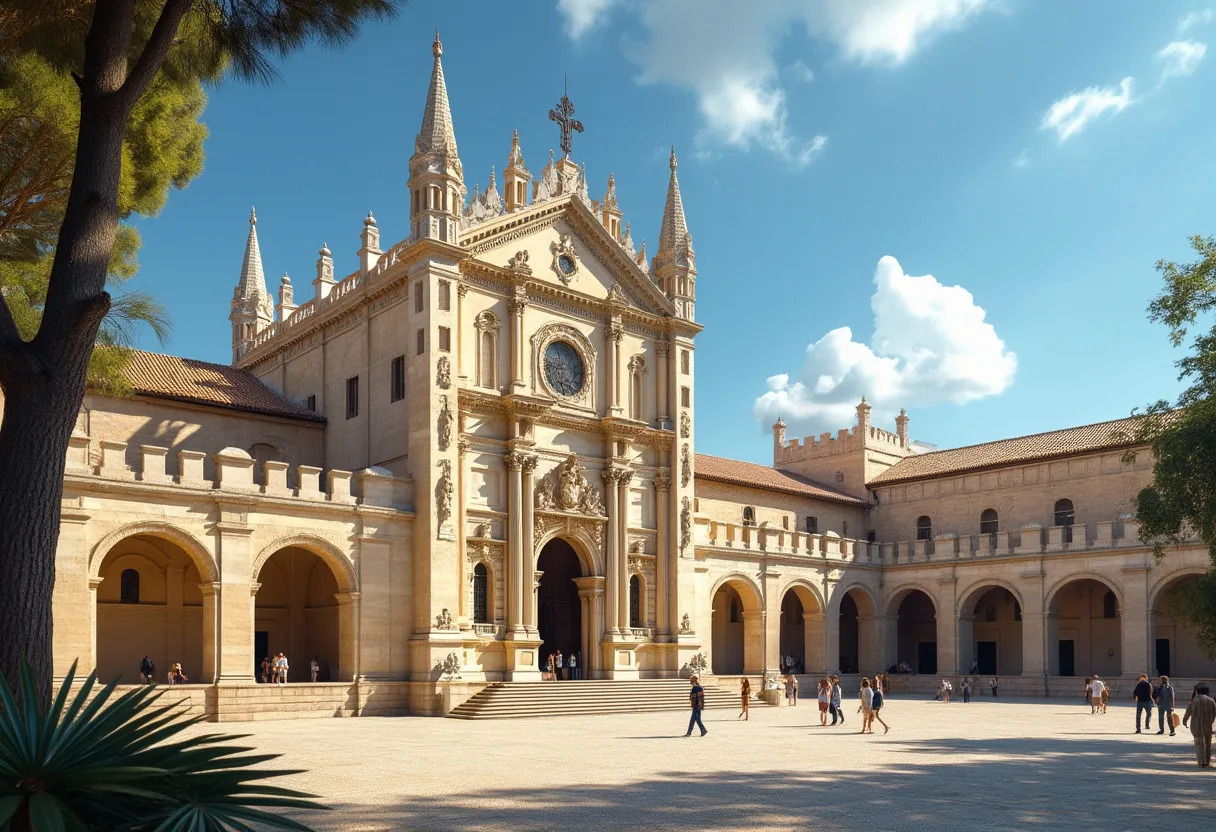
[564,369]
[565,264]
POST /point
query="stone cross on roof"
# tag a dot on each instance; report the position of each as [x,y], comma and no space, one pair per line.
[562,114]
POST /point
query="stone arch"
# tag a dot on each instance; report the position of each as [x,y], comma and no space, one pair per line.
[804,587]
[897,596]
[1167,580]
[331,555]
[912,628]
[1174,648]
[801,627]
[737,633]
[863,591]
[756,596]
[1081,638]
[580,541]
[853,608]
[192,546]
[1050,596]
[994,645]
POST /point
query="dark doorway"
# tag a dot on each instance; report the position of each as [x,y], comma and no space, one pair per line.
[559,609]
[1163,657]
[850,635]
[926,657]
[1068,657]
[261,650]
[985,657]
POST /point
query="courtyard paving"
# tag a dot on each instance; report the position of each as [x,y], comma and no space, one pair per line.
[987,765]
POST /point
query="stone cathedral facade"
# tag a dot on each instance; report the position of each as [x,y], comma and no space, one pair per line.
[478,447]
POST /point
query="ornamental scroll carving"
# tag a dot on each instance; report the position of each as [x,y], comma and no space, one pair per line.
[445,425]
[566,489]
[685,465]
[685,524]
[443,373]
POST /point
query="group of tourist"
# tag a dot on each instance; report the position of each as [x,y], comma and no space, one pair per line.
[828,696]
[147,672]
[559,667]
[273,671]
[966,687]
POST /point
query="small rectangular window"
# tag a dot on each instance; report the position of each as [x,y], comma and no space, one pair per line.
[445,296]
[685,397]
[421,341]
[398,379]
[812,525]
[310,403]
[871,536]
[418,298]
[352,397]
[445,339]
[684,361]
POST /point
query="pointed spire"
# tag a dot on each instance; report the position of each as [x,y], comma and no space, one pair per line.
[436,138]
[610,196]
[673,234]
[516,157]
[490,197]
[253,279]
[627,242]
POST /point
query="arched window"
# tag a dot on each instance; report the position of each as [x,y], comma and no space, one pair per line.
[487,349]
[129,586]
[635,601]
[749,516]
[734,611]
[988,521]
[924,528]
[481,594]
[1110,605]
[1065,516]
[637,387]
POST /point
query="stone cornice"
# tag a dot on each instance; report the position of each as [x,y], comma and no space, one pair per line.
[486,403]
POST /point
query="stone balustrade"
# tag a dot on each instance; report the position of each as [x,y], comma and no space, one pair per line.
[236,471]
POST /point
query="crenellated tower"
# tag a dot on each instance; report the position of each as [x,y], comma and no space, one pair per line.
[436,181]
[675,264]
[252,305]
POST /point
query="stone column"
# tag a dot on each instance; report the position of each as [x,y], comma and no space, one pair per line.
[613,337]
[516,577]
[662,560]
[591,593]
[516,307]
[234,619]
[528,544]
[947,628]
[812,640]
[1135,647]
[74,600]
[175,616]
[462,289]
[622,550]
[831,636]
[966,642]
[375,632]
[348,636]
[211,628]
[880,634]
[754,660]
[662,352]
[611,556]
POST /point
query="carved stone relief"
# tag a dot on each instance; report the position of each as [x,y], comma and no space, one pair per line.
[443,621]
[443,493]
[685,425]
[685,625]
[445,425]
[685,524]
[443,373]
[685,466]
[566,489]
[519,263]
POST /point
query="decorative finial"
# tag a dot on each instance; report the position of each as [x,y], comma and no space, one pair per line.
[285,280]
[863,399]
[324,252]
[673,157]
[253,216]
[437,46]
[370,219]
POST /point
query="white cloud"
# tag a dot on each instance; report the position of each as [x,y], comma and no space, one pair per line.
[1181,57]
[723,51]
[931,344]
[1200,17]
[802,72]
[1071,114]
[582,15]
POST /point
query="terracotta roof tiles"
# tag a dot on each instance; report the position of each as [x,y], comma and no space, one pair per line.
[752,475]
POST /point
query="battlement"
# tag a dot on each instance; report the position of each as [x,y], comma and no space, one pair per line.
[233,470]
[847,440]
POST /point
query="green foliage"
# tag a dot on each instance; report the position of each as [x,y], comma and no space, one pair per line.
[95,761]
[1181,500]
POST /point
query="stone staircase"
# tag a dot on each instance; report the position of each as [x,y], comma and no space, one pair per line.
[518,700]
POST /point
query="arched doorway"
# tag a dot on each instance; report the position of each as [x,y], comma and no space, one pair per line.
[801,630]
[916,630]
[558,606]
[856,640]
[1176,650]
[1084,630]
[296,612]
[149,601]
[990,632]
[737,634]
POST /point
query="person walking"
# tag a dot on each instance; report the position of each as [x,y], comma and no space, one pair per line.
[867,706]
[834,701]
[147,670]
[825,699]
[1201,713]
[876,703]
[965,684]
[1088,693]
[559,665]
[1096,687]
[794,685]
[696,698]
[572,662]
[264,670]
[1143,696]
[946,689]
[281,668]
[791,690]
[994,684]
[745,697]
[1163,696]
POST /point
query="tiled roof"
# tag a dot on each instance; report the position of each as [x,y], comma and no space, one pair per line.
[753,475]
[1020,449]
[200,382]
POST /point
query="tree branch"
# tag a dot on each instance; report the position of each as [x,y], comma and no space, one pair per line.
[153,55]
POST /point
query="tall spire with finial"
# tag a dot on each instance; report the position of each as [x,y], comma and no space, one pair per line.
[675,264]
[436,177]
[515,177]
[252,307]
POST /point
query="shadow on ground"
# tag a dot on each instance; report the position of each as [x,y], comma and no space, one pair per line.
[1038,783]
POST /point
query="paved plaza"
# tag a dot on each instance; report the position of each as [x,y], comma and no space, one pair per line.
[984,765]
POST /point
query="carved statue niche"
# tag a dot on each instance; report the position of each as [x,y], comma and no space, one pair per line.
[444,491]
[566,489]
[685,465]
[685,425]
[685,625]
[445,425]
[443,373]
[685,524]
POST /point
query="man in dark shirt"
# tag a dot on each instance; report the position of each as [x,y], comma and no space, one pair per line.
[1164,697]
[696,698]
[1143,694]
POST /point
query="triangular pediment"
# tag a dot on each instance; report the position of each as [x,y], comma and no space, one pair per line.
[568,247]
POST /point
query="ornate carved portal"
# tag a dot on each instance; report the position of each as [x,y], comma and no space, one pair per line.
[566,489]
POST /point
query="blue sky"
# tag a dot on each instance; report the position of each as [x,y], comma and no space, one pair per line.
[993,144]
